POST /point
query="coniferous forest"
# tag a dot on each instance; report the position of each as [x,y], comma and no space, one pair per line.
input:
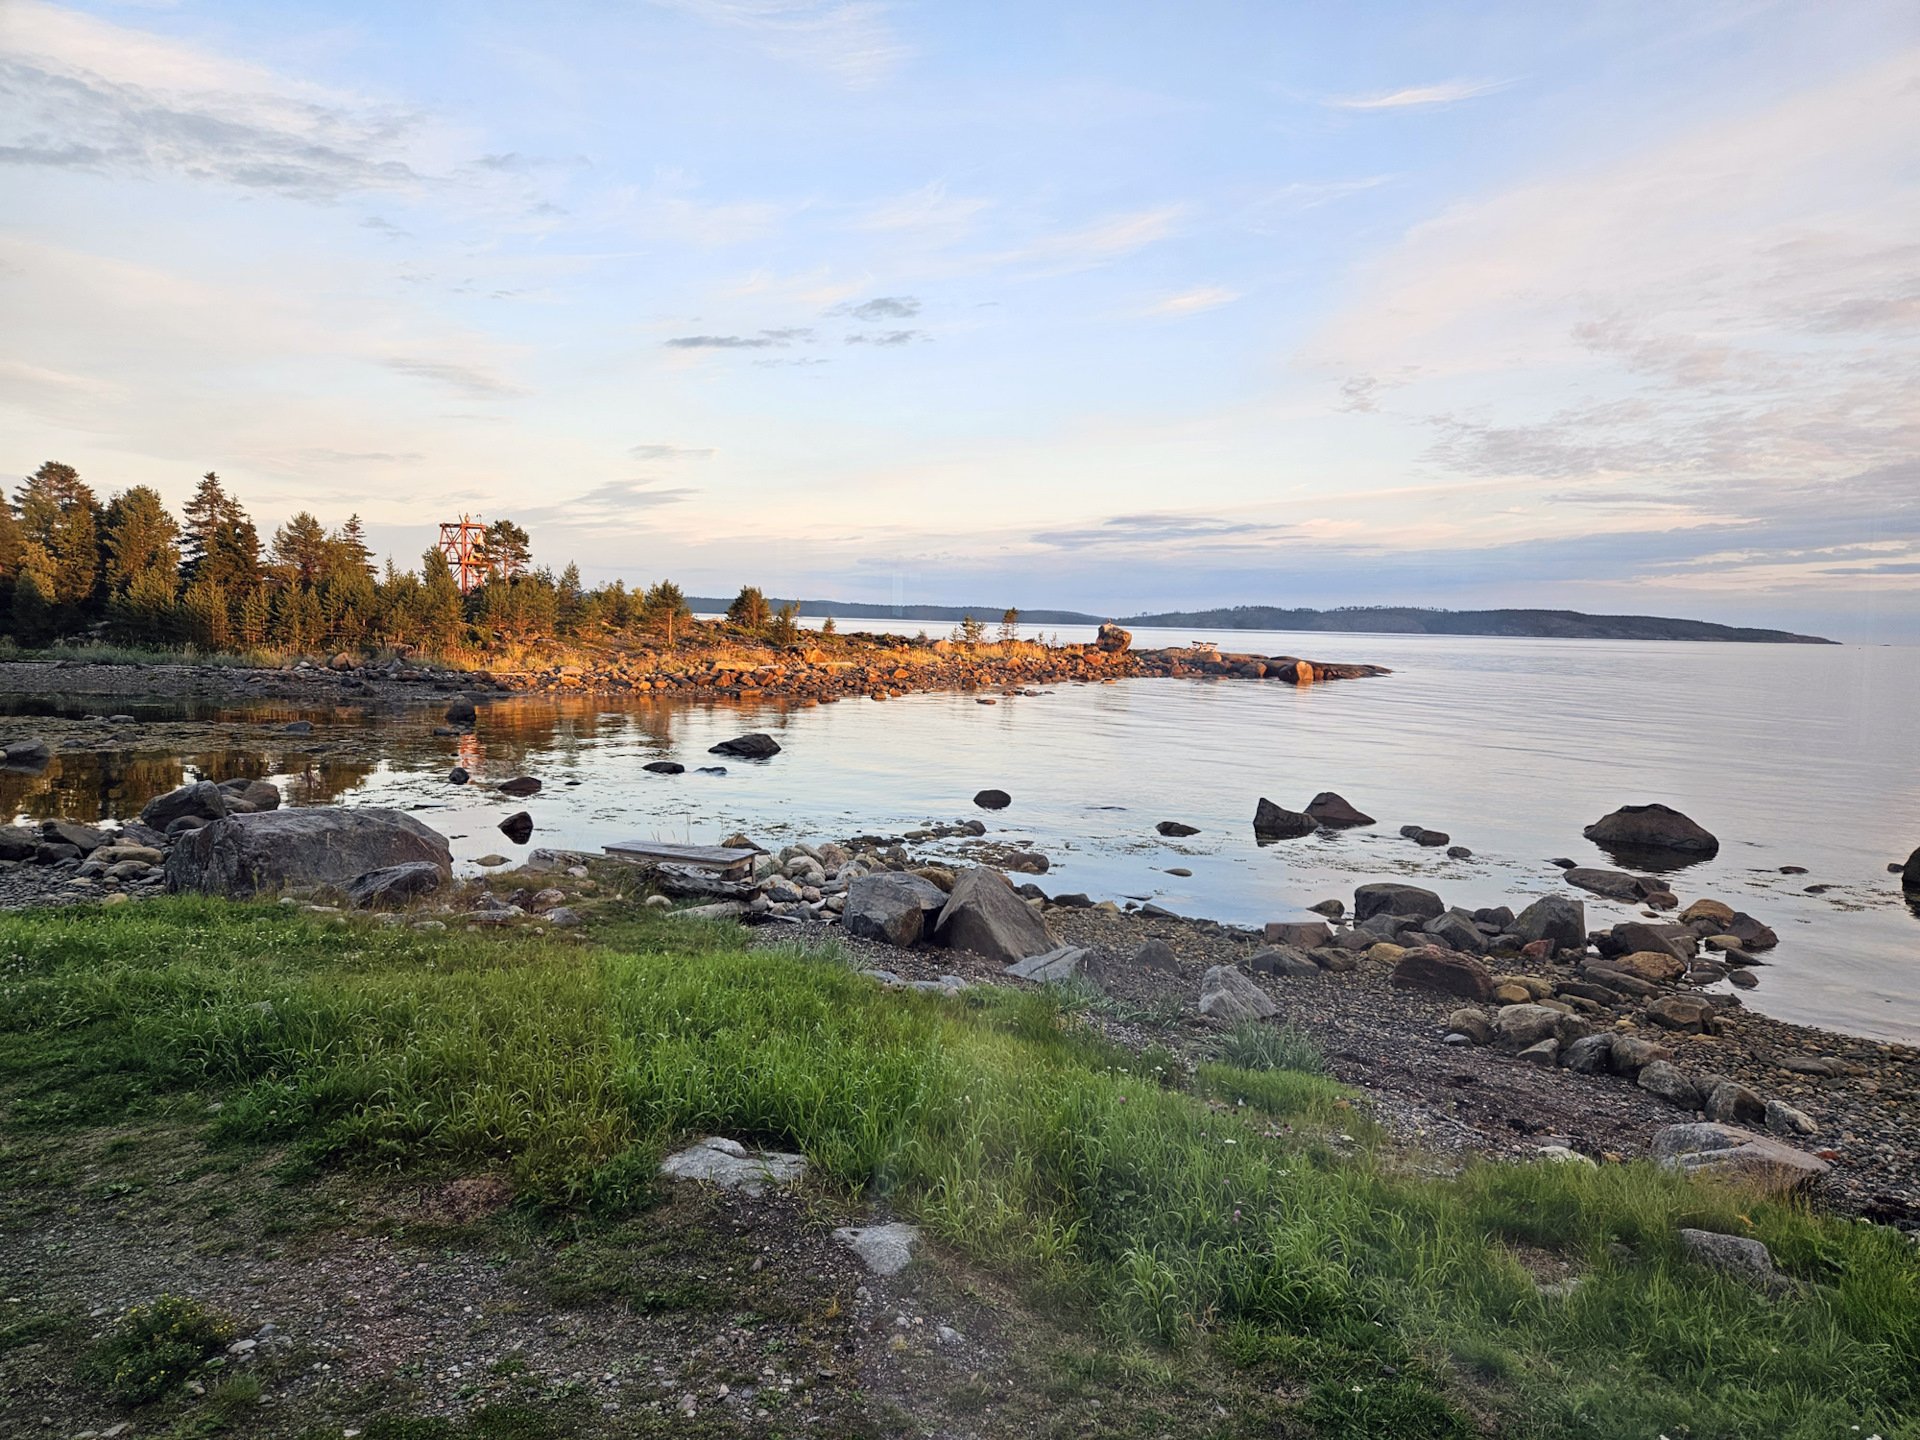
[129,572]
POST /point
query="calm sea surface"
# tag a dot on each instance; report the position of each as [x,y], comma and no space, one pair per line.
[1792,755]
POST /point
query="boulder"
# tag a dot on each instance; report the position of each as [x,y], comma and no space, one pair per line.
[27,754]
[1740,1256]
[1155,955]
[84,838]
[730,1165]
[1228,993]
[1386,897]
[1784,1119]
[520,787]
[1281,961]
[1557,918]
[984,915]
[201,801]
[518,827]
[458,775]
[1751,934]
[1055,965]
[393,885]
[1450,973]
[1681,1012]
[1632,936]
[1670,1083]
[993,799]
[1709,910]
[1629,1054]
[1589,1055]
[1651,827]
[18,843]
[1515,1027]
[891,907]
[1909,873]
[1275,822]
[242,855]
[1335,813]
[1737,1156]
[664,767]
[1614,884]
[1303,933]
[754,746]
[1732,1103]
[1174,829]
[1457,931]
[1472,1023]
[460,711]
[1110,639]
[1432,839]
[253,795]
[1544,1053]
[1656,966]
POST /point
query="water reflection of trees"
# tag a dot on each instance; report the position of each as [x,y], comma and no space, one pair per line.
[116,784]
[102,785]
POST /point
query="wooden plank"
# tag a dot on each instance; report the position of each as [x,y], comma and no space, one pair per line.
[711,857]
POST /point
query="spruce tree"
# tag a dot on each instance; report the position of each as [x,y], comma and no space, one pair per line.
[299,553]
[60,515]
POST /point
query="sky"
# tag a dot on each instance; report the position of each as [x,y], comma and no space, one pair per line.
[1110,306]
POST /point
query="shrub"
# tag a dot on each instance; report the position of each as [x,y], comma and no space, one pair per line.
[155,1347]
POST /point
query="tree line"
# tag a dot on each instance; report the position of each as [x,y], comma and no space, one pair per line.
[129,572]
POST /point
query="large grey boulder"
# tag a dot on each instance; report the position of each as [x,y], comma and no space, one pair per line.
[984,915]
[1557,918]
[730,1165]
[252,794]
[203,801]
[84,838]
[1515,1027]
[393,885]
[1740,1256]
[1434,967]
[1910,873]
[1457,931]
[243,855]
[883,1249]
[1651,827]
[1728,1153]
[1386,897]
[1228,993]
[892,907]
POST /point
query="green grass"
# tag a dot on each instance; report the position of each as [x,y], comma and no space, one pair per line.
[1387,1303]
[95,652]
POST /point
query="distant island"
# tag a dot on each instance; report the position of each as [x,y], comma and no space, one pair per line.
[1357,619]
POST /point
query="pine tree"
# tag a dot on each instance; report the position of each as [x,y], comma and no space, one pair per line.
[568,601]
[60,515]
[784,626]
[299,550]
[749,610]
[441,612]
[1010,627]
[351,542]
[205,617]
[255,627]
[221,544]
[508,549]
[665,608]
[141,537]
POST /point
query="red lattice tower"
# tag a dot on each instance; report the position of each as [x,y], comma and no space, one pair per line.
[464,543]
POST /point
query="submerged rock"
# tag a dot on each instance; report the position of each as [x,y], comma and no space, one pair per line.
[993,799]
[1651,827]
[1276,822]
[1335,813]
[754,746]
[518,827]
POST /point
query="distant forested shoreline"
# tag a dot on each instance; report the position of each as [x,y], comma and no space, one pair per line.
[1368,619]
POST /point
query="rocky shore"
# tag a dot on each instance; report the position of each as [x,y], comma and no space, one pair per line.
[708,663]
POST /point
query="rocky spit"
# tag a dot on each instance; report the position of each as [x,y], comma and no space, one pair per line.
[704,665]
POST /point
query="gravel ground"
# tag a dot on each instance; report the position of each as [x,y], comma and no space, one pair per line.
[1387,1042]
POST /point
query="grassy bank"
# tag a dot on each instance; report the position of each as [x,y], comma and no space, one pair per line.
[1245,1216]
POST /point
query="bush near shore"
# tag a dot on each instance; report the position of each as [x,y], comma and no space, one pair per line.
[1271,1231]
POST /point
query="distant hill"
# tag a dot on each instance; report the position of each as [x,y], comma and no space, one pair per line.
[1408,620]
[1359,619]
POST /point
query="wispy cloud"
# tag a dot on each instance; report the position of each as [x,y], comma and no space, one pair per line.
[1192,302]
[766,339]
[851,40]
[471,380]
[882,307]
[1448,92]
[608,504]
[1087,246]
[670,452]
[929,209]
[83,93]
[887,337]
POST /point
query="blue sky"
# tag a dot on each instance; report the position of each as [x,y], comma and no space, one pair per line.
[1112,306]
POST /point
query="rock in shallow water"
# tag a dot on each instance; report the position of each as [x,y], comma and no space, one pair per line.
[1651,827]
